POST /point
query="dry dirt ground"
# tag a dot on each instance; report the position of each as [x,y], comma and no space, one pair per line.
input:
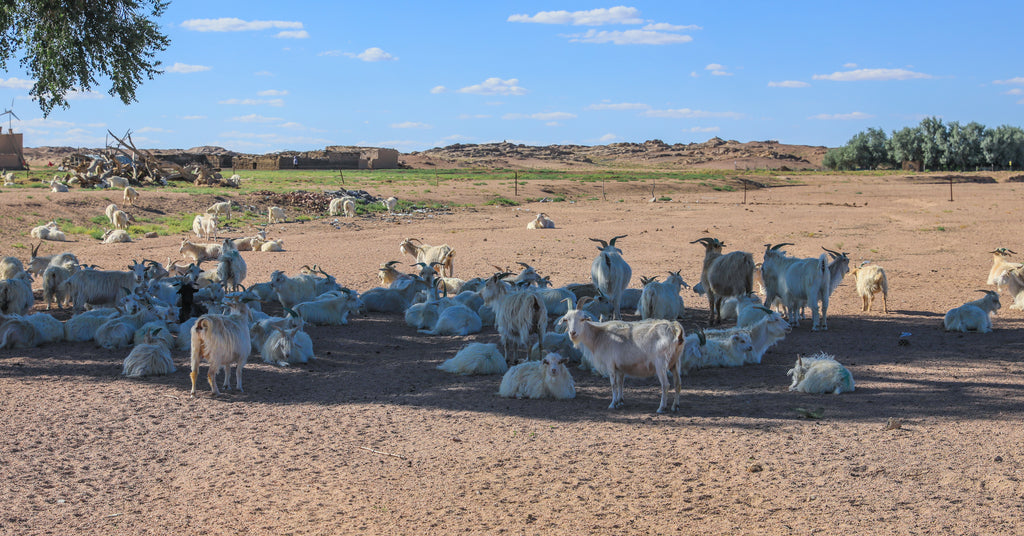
[372,439]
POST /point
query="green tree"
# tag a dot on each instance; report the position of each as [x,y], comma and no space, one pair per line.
[963,146]
[906,145]
[1003,145]
[933,142]
[839,158]
[64,46]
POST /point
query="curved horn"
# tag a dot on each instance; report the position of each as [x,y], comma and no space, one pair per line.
[583,301]
[291,312]
[523,264]
[35,250]
[603,243]
[835,254]
[391,264]
[702,337]
[614,238]
[987,292]
[777,246]
[704,240]
[568,304]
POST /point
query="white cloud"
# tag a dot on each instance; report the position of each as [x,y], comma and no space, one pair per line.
[253,102]
[16,83]
[292,125]
[255,118]
[496,86]
[410,124]
[842,117]
[193,117]
[1015,80]
[666,27]
[687,113]
[438,89]
[629,37]
[83,95]
[1015,91]
[231,24]
[607,138]
[593,17]
[331,53]
[372,54]
[859,75]
[788,83]
[714,67]
[263,73]
[849,66]
[720,73]
[618,106]
[543,116]
[185,68]
[702,129]
[272,92]
[292,34]
[694,74]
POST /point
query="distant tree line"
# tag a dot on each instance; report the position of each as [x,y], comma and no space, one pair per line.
[934,145]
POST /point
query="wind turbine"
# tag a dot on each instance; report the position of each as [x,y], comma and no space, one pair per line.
[10,113]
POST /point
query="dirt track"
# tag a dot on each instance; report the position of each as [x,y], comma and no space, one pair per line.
[372,439]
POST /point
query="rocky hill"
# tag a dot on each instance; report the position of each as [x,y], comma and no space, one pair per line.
[715,153]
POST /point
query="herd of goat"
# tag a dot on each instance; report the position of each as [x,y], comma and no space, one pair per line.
[155,309]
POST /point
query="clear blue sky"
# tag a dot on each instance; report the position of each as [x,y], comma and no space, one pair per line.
[261,76]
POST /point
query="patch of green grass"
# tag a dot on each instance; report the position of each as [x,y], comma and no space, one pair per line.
[664,198]
[502,201]
[724,188]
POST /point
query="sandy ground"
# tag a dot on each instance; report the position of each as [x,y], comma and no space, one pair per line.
[373,439]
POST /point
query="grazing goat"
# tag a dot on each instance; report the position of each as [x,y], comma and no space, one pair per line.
[662,300]
[476,358]
[131,195]
[870,281]
[391,204]
[109,211]
[637,349]
[120,220]
[425,253]
[222,208]
[973,315]
[723,276]
[820,374]
[541,222]
[517,314]
[151,358]
[221,340]
[275,215]
[539,379]
[997,275]
[610,273]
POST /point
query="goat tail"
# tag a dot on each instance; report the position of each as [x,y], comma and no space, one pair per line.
[201,326]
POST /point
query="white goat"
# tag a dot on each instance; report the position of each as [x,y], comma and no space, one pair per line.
[517,314]
[232,268]
[820,374]
[273,245]
[637,349]
[110,210]
[703,352]
[871,280]
[548,378]
[610,273]
[222,208]
[221,340]
[115,236]
[391,204]
[12,266]
[50,231]
[764,334]
[973,315]
[662,300]
[456,320]
[99,287]
[541,222]
[722,276]
[476,358]
[151,358]
[205,226]
[996,275]
[54,289]
[428,254]
[117,182]
[275,215]
[293,290]
[281,349]
[197,253]
[329,309]
[16,294]
[120,220]
[131,195]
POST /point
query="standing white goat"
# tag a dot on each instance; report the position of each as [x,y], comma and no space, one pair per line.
[638,349]
[997,274]
[222,341]
[610,273]
[662,300]
[871,280]
[518,314]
